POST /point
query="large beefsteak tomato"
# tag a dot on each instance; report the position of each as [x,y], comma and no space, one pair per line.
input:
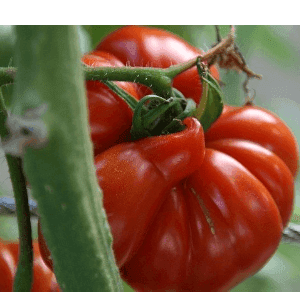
[221,224]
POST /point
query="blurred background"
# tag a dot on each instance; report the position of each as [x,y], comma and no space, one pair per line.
[272,51]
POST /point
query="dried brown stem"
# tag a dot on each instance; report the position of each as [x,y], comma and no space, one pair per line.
[219,48]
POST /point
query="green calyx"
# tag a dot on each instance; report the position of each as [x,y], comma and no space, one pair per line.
[155,115]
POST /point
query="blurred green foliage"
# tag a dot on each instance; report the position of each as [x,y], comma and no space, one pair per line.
[272,51]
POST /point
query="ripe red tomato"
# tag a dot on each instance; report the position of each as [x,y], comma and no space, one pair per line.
[109,116]
[224,222]
[180,224]
[153,47]
[43,278]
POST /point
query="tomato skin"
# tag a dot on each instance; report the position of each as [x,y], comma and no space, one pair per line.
[245,190]
[265,166]
[153,47]
[183,251]
[109,116]
[43,278]
[260,126]
[137,168]
[7,267]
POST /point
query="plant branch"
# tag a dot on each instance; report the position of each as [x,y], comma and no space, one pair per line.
[158,79]
[24,274]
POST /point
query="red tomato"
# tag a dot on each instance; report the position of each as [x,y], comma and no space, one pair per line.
[260,126]
[213,230]
[141,172]
[153,47]
[43,278]
[181,223]
[222,224]
[109,116]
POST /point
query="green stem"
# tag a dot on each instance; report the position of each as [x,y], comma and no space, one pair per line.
[24,274]
[175,70]
[158,79]
[62,173]
[130,100]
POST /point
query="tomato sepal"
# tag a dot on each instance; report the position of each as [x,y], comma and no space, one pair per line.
[211,106]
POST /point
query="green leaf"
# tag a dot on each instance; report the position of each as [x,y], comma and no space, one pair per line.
[62,173]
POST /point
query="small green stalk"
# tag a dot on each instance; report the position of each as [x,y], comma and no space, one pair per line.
[159,80]
[24,274]
[130,100]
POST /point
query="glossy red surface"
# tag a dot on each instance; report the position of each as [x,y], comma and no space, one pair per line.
[153,47]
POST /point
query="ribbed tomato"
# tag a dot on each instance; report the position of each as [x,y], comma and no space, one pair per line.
[223,223]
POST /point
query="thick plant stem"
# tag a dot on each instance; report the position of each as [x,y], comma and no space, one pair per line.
[24,274]
[61,173]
